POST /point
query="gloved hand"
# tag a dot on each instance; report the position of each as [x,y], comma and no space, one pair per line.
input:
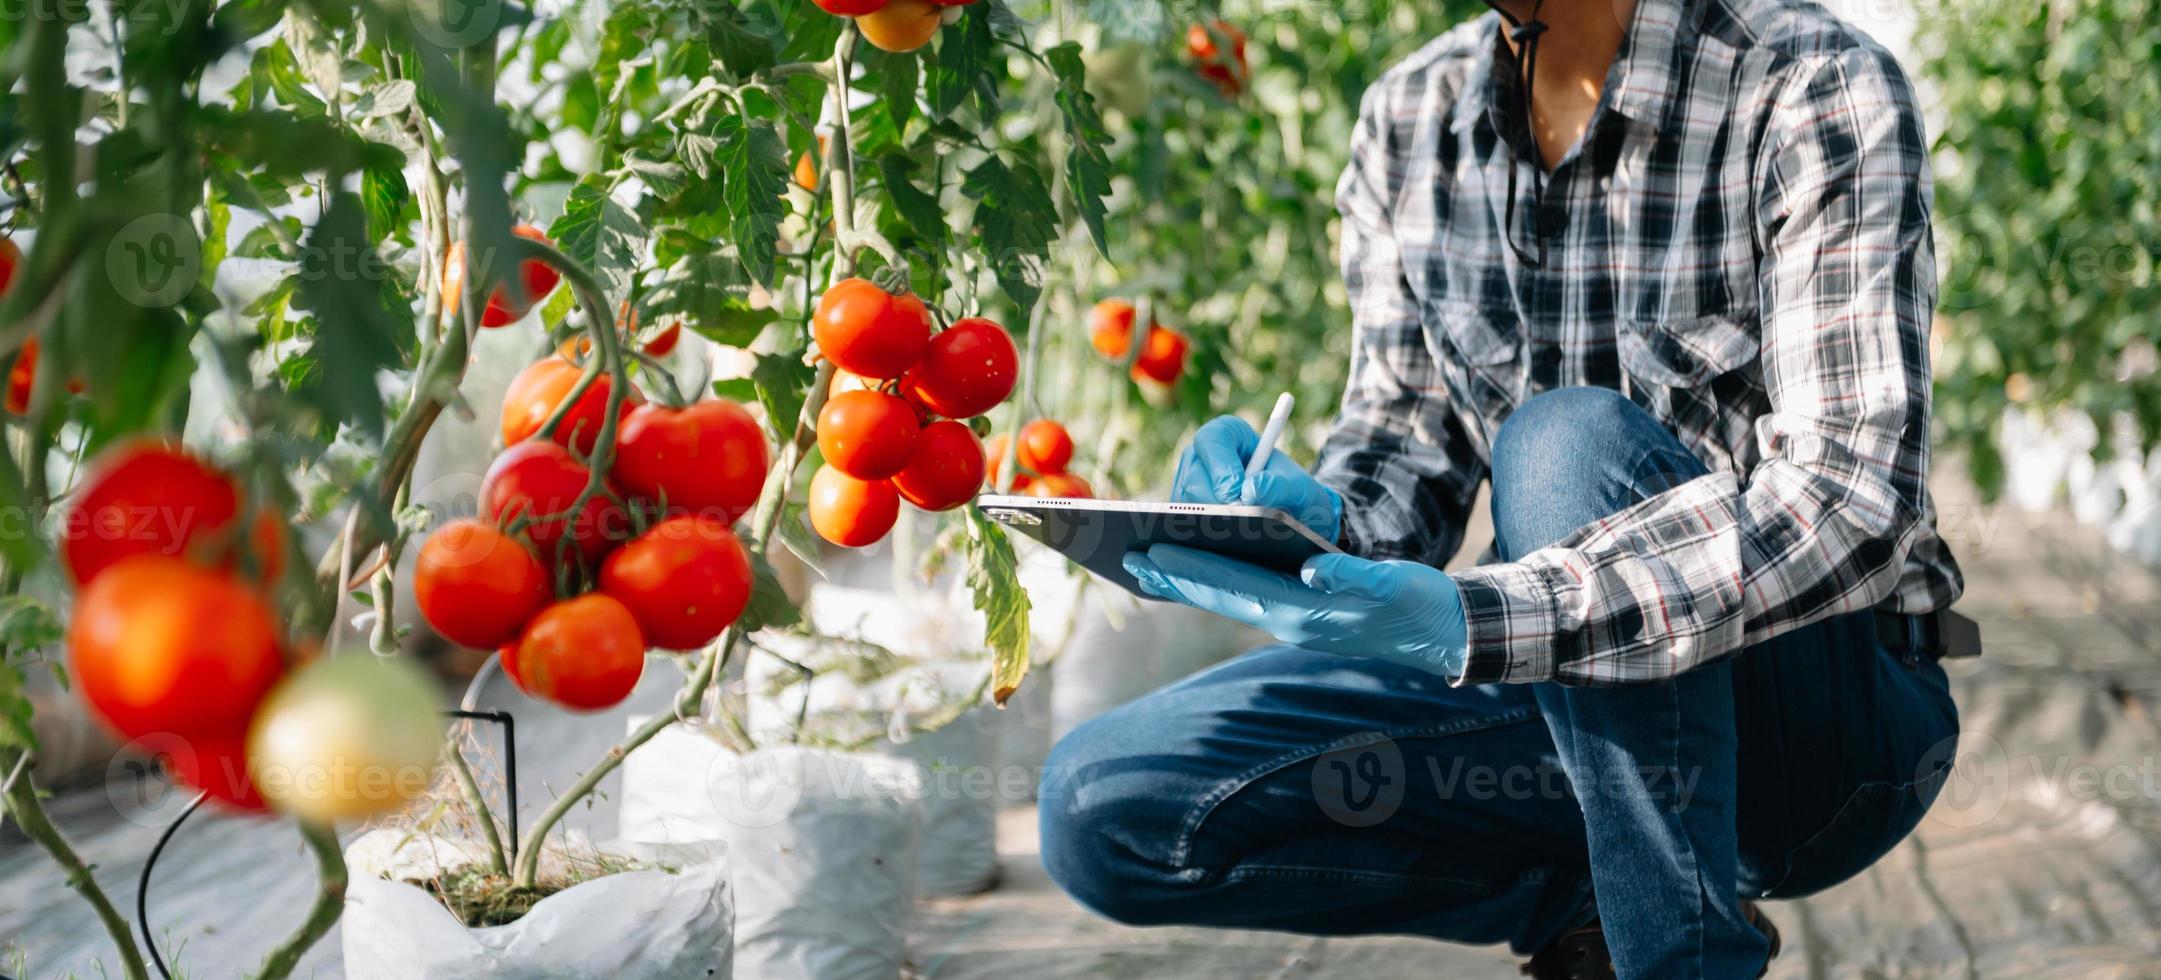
[1399,611]
[1213,471]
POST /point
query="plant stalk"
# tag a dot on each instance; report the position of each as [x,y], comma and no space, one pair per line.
[29,813]
[332,876]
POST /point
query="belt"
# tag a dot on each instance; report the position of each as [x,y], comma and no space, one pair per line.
[1935,635]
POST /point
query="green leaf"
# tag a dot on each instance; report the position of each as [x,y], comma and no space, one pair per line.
[709,291]
[919,207]
[1087,164]
[769,606]
[1016,221]
[358,312]
[15,730]
[28,624]
[800,540]
[384,192]
[994,580]
[966,65]
[601,235]
[753,161]
[780,381]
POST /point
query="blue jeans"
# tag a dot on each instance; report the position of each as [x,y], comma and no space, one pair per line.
[1308,792]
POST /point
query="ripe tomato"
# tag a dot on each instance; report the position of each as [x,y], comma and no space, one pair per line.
[1229,72]
[508,657]
[503,310]
[708,459]
[947,469]
[478,586]
[144,497]
[684,581]
[663,343]
[1060,485]
[1110,328]
[537,390]
[161,646]
[584,653]
[868,435]
[865,330]
[849,512]
[347,738]
[851,8]
[217,765]
[11,258]
[22,378]
[1045,446]
[966,371]
[1164,359]
[901,25]
[541,480]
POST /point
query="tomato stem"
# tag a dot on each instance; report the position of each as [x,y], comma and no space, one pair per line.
[332,877]
[23,804]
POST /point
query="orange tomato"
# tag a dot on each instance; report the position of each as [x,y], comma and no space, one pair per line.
[537,390]
[901,25]
[159,646]
[849,512]
[478,586]
[584,653]
[1045,446]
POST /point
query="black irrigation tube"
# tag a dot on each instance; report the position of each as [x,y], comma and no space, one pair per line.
[142,884]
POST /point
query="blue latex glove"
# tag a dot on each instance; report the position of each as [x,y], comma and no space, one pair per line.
[1213,471]
[1398,611]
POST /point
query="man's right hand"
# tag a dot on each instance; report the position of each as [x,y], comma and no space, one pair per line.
[1213,471]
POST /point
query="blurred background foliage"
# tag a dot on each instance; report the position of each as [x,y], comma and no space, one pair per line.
[2048,214]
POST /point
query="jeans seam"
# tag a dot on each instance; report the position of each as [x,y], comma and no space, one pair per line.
[1182,849]
[1905,786]
[1246,871]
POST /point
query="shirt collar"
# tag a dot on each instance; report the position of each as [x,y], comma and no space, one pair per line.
[1640,86]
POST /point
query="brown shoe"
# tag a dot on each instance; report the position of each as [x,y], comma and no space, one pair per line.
[1582,954]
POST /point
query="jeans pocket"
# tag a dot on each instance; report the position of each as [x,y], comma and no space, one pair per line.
[1872,822]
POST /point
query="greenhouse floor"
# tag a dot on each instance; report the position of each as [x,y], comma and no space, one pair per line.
[2042,860]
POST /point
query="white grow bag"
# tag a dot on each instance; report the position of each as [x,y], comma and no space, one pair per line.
[646,924]
[821,846]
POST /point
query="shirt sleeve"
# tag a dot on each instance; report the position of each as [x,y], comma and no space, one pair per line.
[1398,453]
[1822,526]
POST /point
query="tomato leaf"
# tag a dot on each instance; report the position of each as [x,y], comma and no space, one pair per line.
[384,192]
[917,206]
[799,539]
[1087,164]
[601,235]
[769,606]
[357,311]
[708,290]
[753,160]
[967,65]
[994,579]
[15,730]
[1016,220]
[777,383]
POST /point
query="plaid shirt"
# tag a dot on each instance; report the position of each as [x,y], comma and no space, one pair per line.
[1741,245]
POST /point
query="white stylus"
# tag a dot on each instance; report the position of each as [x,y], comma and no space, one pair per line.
[1269,434]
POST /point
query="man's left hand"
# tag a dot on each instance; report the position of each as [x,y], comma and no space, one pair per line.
[1398,611]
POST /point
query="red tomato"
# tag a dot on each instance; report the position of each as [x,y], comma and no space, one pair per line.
[947,469]
[1164,359]
[541,480]
[159,646]
[1228,71]
[685,581]
[1110,328]
[707,459]
[849,512]
[1045,446]
[868,331]
[537,390]
[508,657]
[144,497]
[217,765]
[11,258]
[1060,485]
[584,653]
[663,343]
[966,371]
[478,586]
[503,310]
[851,8]
[866,434]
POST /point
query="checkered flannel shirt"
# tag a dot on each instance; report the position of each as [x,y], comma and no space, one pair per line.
[1741,245]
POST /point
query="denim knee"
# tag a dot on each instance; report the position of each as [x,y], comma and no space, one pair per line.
[1083,833]
[1570,456]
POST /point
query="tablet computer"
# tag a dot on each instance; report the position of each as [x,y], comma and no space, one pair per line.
[1098,533]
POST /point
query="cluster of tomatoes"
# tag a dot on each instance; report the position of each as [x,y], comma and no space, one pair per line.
[571,578]
[891,429]
[176,646]
[1162,358]
[1218,51]
[1045,455]
[897,25]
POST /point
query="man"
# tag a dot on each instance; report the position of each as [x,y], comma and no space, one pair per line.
[1661,271]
